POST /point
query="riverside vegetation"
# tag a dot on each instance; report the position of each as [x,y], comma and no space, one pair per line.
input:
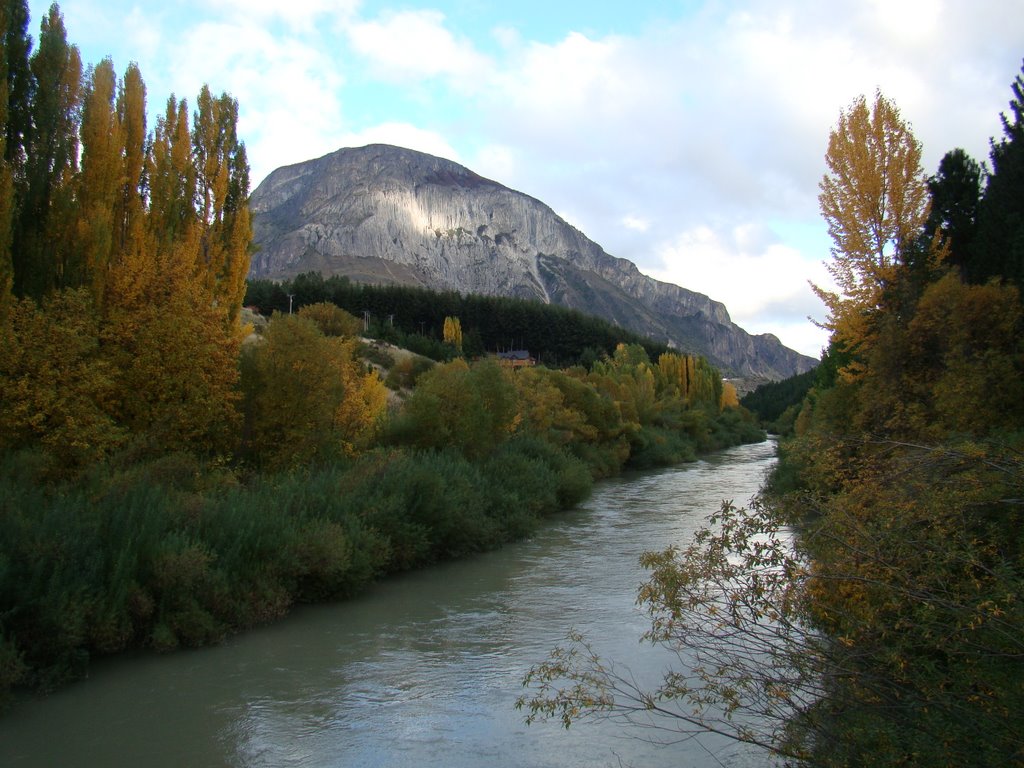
[162,482]
[866,610]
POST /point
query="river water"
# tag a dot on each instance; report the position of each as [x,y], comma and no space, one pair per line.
[422,670]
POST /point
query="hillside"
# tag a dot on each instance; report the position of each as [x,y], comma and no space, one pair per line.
[386,215]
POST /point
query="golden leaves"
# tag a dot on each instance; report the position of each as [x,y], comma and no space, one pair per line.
[874,199]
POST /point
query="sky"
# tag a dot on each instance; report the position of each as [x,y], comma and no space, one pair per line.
[687,136]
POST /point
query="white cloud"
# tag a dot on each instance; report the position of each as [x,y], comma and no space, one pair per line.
[402,135]
[288,88]
[415,45]
[635,223]
[143,30]
[762,280]
[496,161]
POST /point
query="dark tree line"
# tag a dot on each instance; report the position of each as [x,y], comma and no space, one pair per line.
[979,210]
[769,401]
[556,336]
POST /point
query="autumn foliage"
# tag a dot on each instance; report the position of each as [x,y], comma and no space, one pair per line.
[128,254]
[168,474]
[865,610]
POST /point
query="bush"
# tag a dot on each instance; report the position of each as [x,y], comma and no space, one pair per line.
[332,320]
[659,447]
[406,372]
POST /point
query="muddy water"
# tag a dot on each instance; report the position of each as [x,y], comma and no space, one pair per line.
[423,670]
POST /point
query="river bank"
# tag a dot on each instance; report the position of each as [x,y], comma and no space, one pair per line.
[422,669]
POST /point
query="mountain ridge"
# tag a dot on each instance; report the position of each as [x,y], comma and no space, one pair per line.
[384,214]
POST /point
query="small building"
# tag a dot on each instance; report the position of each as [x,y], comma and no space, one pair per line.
[516,358]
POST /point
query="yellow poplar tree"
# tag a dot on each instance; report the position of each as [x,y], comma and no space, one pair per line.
[131,266]
[174,329]
[155,230]
[874,199]
[222,186]
[100,180]
[362,408]
[453,333]
[730,398]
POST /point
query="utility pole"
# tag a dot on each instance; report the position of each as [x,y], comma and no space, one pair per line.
[290,297]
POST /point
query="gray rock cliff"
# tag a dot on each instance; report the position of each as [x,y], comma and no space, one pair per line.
[383,214]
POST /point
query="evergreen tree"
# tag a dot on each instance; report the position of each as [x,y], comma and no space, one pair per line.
[999,246]
[18,80]
[955,192]
[6,177]
[14,91]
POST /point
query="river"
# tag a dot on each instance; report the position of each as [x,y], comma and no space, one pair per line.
[422,670]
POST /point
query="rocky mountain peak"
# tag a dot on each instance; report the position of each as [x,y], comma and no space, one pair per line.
[382,214]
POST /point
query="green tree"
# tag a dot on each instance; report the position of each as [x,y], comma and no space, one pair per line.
[470,408]
[17,46]
[955,193]
[291,390]
[15,94]
[40,248]
[307,398]
[999,244]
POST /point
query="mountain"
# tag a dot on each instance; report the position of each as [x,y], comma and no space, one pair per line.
[384,215]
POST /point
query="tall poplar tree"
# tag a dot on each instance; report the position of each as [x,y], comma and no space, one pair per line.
[174,322]
[222,189]
[874,199]
[41,257]
[16,90]
[126,274]
[10,26]
[100,180]
[147,234]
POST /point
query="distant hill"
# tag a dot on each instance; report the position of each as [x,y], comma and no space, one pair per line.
[386,215]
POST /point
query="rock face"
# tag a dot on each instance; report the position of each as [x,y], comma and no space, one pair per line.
[381,214]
